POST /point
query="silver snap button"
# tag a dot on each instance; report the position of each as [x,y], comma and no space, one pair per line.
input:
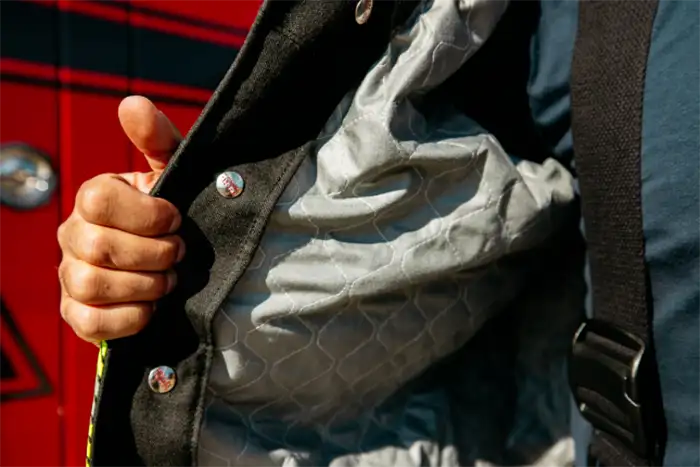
[230,184]
[162,379]
[363,10]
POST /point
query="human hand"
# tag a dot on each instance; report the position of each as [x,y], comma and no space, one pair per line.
[119,244]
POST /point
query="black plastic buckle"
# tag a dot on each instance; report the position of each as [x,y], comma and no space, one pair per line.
[609,378]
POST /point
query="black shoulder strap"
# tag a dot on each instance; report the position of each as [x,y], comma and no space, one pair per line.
[613,367]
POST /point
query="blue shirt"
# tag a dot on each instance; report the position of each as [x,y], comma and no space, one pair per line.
[670,207]
[670,193]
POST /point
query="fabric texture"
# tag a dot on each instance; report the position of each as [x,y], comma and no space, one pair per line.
[498,398]
[548,90]
[268,82]
[671,215]
[607,87]
[380,258]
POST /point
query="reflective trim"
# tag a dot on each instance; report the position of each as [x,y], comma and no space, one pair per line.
[98,385]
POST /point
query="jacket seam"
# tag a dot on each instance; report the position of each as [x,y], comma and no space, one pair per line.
[227,285]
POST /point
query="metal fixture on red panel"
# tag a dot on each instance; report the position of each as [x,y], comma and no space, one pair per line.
[27,179]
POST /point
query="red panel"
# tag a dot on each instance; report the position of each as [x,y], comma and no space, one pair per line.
[91,143]
[237,13]
[28,259]
[187,30]
[190,18]
[27,69]
[83,128]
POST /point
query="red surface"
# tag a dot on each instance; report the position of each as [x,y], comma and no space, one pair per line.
[24,378]
[28,257]
[235,14]
[81,132]
[192,31]
[103,81]
[28,69]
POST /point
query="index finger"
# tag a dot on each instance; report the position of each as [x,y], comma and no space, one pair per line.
[110,201]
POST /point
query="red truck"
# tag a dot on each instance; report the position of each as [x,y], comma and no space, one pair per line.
[64,67]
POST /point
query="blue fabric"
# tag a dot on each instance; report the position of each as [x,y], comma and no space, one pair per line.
[548,87]
[551,53]
[670,194]
[671,213]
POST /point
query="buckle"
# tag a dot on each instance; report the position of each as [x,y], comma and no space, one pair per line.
[609,377]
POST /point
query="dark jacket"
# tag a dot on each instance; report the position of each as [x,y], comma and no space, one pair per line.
[299,61]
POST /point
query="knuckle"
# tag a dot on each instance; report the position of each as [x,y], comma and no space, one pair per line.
[85,322]
[93,199]
[96,247]
[88,323]
[64,308]
[62,273]
[65,231]
[83,282]
[159,214]
[61,233]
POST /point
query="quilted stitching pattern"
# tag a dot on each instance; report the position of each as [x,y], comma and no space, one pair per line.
[380,258]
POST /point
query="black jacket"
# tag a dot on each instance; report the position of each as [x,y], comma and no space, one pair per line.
[299,60]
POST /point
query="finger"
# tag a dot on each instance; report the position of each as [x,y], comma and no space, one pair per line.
[94,324]
[114,249]
[149,129]
[142,181]
[108,200]
[92,285]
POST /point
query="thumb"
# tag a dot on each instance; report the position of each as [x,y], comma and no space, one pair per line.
[149,130]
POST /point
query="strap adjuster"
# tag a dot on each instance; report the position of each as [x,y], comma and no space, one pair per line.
[609,377]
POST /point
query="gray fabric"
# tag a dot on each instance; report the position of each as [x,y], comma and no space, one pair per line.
[384,255]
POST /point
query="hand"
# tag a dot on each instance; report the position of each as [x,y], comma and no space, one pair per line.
[118,244]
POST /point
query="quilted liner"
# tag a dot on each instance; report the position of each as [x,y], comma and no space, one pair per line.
[382,257]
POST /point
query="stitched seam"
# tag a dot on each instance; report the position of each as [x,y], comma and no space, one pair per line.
[228,284]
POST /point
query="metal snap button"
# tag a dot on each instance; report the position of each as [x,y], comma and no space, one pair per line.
[230,184]
[363,10]
[162,379]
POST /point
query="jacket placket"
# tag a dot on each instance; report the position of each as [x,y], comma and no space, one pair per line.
[300,58]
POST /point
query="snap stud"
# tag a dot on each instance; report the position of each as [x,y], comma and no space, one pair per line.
[230,184]
[363,10]
[162,379]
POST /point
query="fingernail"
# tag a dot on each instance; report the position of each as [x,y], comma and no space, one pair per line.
[176,223]
[181,250]
[172,280]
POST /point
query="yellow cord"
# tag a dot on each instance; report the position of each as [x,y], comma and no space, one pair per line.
[98,385]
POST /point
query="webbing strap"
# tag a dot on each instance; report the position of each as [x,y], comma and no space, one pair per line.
[607,88]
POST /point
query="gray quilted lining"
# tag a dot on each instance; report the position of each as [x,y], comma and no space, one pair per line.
[382,256]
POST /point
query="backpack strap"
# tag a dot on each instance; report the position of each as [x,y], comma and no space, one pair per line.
[613,370]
